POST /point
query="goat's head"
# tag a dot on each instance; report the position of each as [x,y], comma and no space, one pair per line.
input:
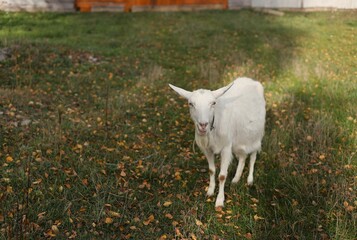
[202,103]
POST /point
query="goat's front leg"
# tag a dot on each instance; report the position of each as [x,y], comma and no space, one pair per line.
[212,172]
[226,157]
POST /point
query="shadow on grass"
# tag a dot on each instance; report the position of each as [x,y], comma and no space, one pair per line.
[304,184]
[196,49]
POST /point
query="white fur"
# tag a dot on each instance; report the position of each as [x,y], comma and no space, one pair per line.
[228,121]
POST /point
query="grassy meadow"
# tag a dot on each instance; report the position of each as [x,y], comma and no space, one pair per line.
[94,144]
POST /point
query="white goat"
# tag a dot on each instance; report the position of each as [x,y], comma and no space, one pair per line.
[230,119]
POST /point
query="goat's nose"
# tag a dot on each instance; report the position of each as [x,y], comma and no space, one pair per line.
[203,125]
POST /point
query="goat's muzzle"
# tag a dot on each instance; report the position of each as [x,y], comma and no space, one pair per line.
[202,128]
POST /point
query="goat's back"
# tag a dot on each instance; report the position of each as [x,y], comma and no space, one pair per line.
[240,115]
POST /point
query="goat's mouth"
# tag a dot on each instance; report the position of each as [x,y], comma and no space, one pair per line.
[201,131]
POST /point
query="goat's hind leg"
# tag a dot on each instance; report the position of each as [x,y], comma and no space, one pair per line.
[241,162]
[253,157]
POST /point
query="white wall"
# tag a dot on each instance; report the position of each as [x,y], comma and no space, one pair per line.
[330,3]
[239,3]
[276,3]
[37,5]
[295,4]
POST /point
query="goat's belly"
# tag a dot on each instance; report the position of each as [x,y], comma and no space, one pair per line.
[245,148]
[240,149]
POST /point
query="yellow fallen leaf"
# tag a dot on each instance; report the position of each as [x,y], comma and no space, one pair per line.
[7,180]
[41,215]
[169,216]
[163,237]
[193,236]
[350,208]
[55,229]
[256,217]
[348,166]
[198,222]
[107,149]
[9,189]
[50,233]
[85,182]
[178,232]
[177,176]
[168,203]
[108,220]
[9,159]
[38,181]
[149,220]
[113,214]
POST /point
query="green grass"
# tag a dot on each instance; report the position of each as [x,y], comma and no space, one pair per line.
[108,153]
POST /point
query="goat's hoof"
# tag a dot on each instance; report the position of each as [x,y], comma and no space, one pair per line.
[210,191]
[250,181]
[219,209]
[219,203]
[235,180]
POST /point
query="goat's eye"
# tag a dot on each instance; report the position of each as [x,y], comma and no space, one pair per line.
[191,104]
[214,103]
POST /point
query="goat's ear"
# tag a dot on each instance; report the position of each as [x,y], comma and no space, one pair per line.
[182,92]
[219,92]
